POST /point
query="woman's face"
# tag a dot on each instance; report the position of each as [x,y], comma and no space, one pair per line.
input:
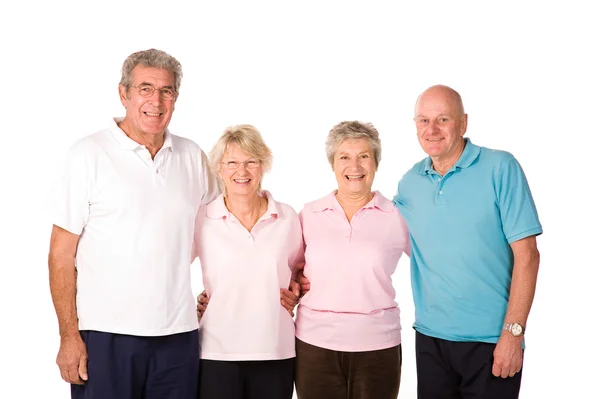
[240,172]
[354,166]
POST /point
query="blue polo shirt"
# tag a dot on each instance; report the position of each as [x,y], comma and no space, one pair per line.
[461,226]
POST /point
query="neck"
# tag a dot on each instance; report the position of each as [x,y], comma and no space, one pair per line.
[246,208]
[443,164]
[152,142]
[351,202]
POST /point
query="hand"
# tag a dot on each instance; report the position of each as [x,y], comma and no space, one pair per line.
[72,360]
[304,283]
[290,297]
[202,304]
[508,356]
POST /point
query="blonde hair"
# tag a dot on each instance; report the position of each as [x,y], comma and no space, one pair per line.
[249,139]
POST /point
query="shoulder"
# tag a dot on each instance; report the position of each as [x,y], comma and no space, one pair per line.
[318,205]
[186,145]
[87,146]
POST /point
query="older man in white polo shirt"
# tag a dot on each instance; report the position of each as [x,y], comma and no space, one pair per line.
[121,246]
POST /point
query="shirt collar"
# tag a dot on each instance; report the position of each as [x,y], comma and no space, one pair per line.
[329,202]
[468,156]
[128,144]
[217,209]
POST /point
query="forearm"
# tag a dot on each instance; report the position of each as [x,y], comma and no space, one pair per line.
[524,278]
[63,288]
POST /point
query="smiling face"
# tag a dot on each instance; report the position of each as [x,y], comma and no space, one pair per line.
[441,124]
[240,172]
[354,167]
[147,116]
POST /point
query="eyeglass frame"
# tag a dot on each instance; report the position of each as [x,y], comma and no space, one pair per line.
[238,163]
[153,90]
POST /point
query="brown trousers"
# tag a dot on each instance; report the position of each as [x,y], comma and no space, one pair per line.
[326,374]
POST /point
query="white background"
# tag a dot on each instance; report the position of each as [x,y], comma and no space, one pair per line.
[528,74]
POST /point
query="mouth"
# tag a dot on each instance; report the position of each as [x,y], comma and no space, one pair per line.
[436,140]
[354,177]
[241,181]
[152,114]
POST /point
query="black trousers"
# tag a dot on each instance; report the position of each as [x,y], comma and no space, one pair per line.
[132,367]
[460,370]
[268,379]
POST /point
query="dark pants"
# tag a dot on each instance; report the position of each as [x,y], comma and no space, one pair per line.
[132,367]
[326,374]
[267,379]
[460,370]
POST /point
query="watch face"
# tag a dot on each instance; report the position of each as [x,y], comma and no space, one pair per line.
[516,329]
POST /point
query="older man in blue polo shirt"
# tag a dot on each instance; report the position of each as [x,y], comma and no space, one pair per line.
[474,262]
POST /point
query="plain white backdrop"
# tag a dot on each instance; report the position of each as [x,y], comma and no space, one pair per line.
[527,71]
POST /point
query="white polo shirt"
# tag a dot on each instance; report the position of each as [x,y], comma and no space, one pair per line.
[135,217]
[243,272]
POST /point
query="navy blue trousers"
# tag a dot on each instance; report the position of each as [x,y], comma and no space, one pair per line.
[132,367]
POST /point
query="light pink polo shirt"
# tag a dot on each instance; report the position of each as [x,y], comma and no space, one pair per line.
[242,273]
[350,306]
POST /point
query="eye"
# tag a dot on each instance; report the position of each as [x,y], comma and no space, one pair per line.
[365,156]
[444,120]
[232,163]
[344,157]
[251,162]
[167,92]
[423,121]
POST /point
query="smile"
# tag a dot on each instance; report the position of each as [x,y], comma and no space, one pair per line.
[354,177]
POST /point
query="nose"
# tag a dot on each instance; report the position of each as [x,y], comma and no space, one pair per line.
[155,97]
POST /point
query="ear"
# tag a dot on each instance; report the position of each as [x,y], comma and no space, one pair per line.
[464,122]
[123,95]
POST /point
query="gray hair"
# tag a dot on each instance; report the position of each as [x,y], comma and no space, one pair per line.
[353,130]
[249,139]
[151,58]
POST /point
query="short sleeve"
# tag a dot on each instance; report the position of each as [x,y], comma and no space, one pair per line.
[70,194]
[515,202]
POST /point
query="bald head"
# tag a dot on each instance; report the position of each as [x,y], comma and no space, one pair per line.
[442,93]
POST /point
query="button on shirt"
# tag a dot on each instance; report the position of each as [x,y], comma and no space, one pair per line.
[351,303]
[243,272]
[135,217]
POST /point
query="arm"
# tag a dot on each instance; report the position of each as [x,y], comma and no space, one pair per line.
[72,355]
[508,355]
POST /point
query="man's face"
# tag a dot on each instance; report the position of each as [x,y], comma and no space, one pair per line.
[440,123]
[148,114]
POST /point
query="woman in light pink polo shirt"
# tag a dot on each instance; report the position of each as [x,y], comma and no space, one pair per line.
[348,324]
[247,244]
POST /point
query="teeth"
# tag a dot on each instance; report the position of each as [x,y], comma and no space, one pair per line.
[435,139]
[151,114]
[355,177]
[241,181]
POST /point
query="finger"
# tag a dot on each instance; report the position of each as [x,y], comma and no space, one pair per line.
[83,374]
[496,370]
[74,376]
[295,287]
[64,374]
[288,306]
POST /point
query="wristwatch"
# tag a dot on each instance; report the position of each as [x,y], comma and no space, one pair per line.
[514,328]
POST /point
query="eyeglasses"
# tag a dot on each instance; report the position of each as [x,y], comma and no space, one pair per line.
[165,93]
[249,164]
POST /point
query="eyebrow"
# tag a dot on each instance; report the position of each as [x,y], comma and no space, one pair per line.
[150,84]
